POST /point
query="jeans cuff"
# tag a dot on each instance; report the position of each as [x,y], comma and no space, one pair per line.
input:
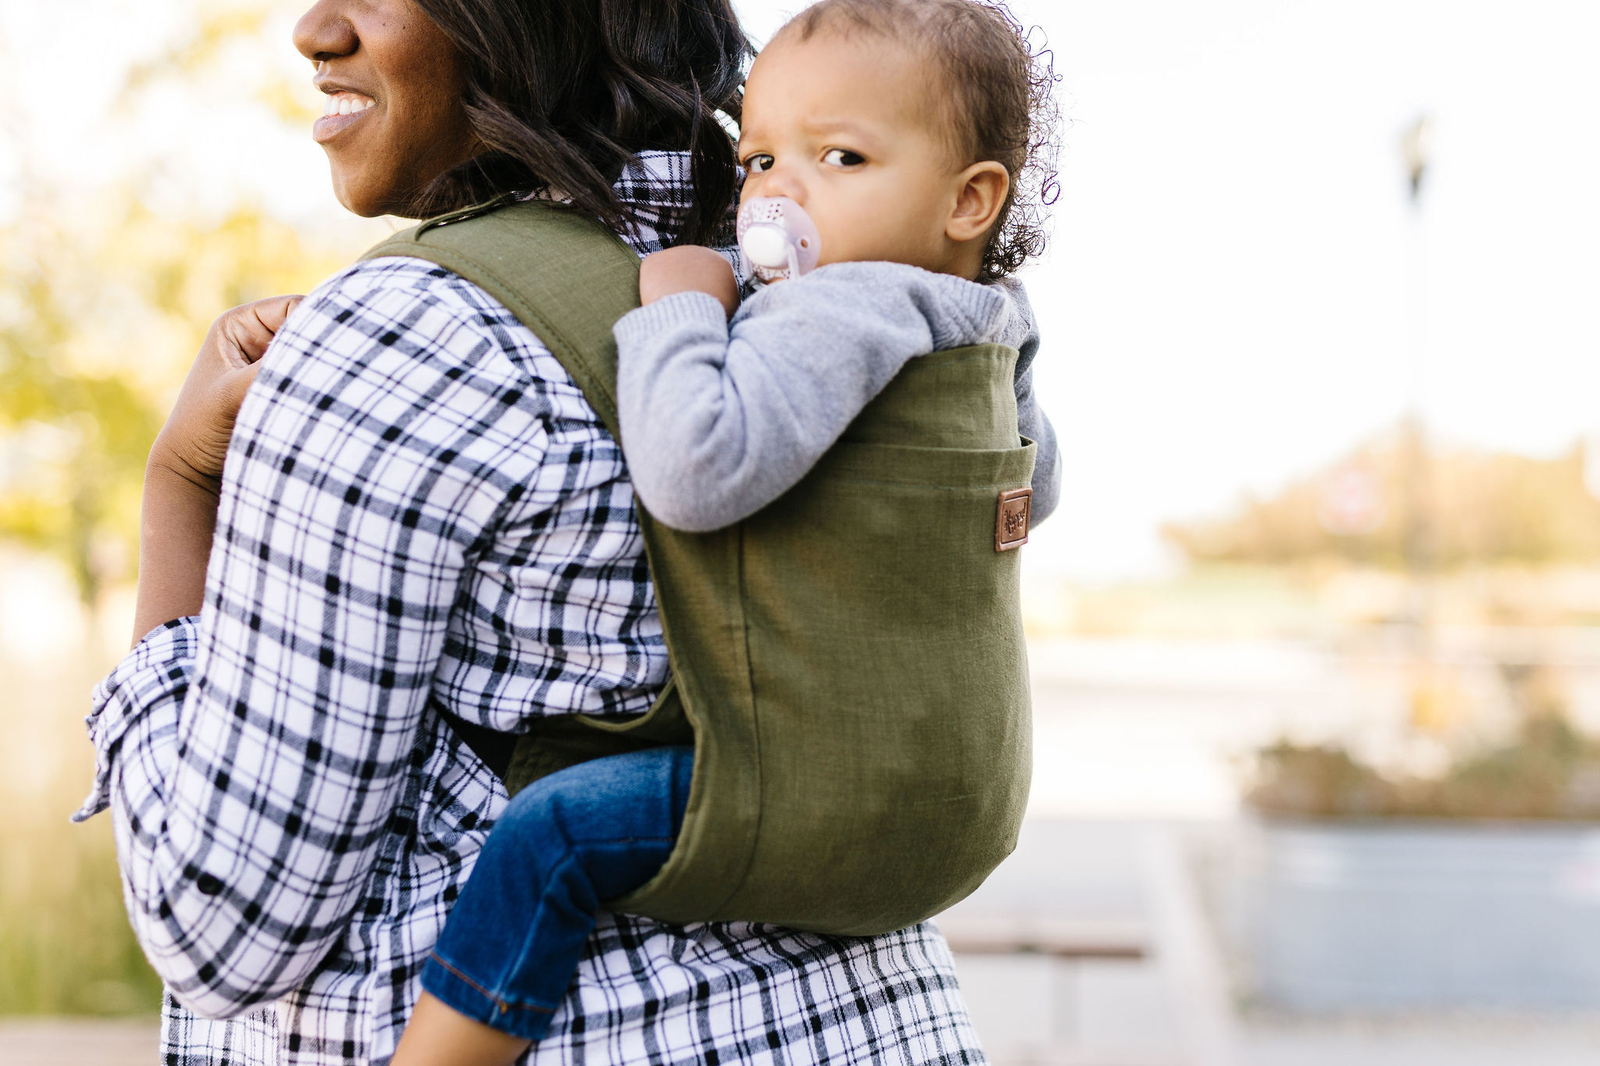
[465,996]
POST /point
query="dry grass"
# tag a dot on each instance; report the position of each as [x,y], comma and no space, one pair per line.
[65,945]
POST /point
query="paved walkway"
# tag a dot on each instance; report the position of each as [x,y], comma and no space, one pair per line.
[77,1042]
[1087,948]
[1118,967]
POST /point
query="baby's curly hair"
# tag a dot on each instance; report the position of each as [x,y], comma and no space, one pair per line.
[1003,95]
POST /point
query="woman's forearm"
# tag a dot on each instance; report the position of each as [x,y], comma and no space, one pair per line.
[184,474]
[176,522]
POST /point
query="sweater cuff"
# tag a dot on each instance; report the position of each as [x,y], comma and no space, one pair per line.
[646,324]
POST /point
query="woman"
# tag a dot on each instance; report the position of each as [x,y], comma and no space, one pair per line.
[420,517]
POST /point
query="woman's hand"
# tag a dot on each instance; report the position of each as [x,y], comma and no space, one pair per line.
[194,441]
[184,473]
[688,268]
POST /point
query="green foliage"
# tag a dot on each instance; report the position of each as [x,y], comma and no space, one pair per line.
[99,326]
[103,305]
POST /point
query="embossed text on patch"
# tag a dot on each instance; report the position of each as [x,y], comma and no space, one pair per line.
[1011,523]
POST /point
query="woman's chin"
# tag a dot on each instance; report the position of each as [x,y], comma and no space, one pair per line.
[355,197]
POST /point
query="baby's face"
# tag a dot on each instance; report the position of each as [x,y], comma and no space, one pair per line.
[848,128]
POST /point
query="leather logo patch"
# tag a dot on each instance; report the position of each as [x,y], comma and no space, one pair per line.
[1011,523]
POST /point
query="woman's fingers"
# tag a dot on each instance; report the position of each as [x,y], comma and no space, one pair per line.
[271,313]
[245,331]
[194,441]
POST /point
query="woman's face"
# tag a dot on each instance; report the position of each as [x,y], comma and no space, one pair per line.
[394,119]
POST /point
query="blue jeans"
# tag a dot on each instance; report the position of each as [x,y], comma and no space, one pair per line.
[590,832]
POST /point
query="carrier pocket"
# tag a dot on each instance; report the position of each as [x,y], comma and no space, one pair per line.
[949,469]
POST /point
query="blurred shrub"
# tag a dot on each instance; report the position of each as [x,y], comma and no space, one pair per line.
[1485,509]
[1548,771]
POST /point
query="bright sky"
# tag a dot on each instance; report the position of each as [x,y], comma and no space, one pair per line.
[1225,304]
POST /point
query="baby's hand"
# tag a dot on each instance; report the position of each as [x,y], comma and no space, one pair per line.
[688,268]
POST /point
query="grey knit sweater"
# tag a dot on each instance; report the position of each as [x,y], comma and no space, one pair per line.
[719,418]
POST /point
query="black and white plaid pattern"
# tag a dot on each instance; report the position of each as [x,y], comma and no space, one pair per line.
[421,512]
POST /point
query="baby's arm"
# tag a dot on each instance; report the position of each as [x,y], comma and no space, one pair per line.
[1034,424]
[688,268]
[1021,332]
[719,419]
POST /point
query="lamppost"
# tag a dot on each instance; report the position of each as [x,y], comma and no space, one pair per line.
[1420,544]
[1419,556]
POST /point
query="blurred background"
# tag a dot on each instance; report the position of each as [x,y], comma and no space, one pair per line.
[1315,632]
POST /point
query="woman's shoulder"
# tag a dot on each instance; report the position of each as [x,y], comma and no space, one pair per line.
[420,310]
[414,283]
[419,344]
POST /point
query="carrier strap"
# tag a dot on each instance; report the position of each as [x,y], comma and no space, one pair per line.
[563,275]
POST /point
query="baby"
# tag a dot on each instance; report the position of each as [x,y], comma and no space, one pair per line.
[893,151]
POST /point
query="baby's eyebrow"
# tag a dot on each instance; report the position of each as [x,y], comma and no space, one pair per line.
[816,126]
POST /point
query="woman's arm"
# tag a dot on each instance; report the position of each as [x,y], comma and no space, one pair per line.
[252,758]
[184,474]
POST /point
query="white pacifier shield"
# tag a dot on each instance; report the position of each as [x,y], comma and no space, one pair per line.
[767,246]
[778,237]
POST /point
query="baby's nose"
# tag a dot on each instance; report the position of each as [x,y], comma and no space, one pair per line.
[783,181]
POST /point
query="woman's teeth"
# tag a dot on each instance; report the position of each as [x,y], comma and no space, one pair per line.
[346,104]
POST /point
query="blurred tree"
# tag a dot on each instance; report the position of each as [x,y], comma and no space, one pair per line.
[103,305]
[103,301]
[97,326]
[1546,770]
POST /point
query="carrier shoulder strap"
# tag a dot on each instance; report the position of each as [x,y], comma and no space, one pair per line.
[568,279]
[563,275]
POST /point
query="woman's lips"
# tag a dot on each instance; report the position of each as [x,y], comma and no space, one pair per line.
[342,110]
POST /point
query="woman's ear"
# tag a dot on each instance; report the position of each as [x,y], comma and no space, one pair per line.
[980,194]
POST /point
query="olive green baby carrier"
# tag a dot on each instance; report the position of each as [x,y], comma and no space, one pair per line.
[848,662]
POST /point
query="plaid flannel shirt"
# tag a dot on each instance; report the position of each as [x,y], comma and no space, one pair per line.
[420,512]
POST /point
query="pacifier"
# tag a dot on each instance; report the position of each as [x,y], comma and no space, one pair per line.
[778,237]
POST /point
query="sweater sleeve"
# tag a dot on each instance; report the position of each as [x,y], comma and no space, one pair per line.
[719,419]
[1021,331]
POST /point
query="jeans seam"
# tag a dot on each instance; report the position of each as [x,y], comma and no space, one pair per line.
[484,992]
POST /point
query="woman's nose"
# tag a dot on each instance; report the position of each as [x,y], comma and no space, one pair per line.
[325,31]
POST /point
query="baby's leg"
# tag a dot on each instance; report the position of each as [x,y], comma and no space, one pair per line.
[591,832]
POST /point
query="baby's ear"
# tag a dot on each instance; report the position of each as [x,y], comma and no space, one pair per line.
[980,194]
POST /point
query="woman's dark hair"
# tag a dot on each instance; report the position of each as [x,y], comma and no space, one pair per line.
[1002,100]
[563,93]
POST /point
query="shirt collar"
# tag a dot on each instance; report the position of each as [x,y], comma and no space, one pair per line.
[656,186]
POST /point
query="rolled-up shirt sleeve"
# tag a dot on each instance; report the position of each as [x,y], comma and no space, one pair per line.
[136,709]
[251,757]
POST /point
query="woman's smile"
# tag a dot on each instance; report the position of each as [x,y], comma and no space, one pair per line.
[387,68]
[342,110]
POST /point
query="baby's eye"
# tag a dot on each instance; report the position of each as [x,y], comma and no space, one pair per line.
[842,157]
[759,162]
